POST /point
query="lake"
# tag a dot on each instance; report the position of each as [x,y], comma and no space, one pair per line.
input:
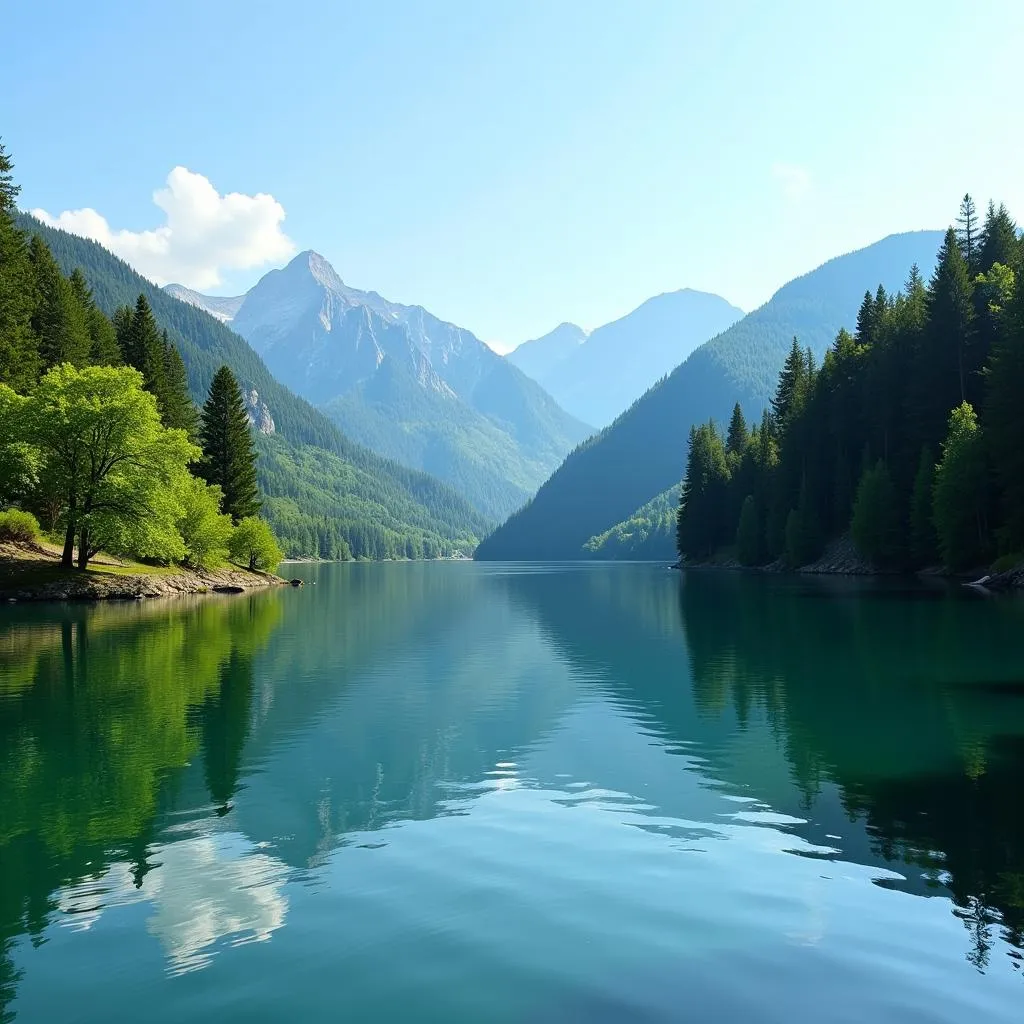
[480,792]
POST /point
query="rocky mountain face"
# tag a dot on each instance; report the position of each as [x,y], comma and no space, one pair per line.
[220,307]
[598,376]
[405,383]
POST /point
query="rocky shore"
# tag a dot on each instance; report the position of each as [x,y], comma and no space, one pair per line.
[841,558]
[32,573]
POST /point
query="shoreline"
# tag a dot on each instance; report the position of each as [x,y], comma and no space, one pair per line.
[32,572]
[841,559]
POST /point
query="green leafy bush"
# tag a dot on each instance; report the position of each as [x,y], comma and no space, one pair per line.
[253,544]
[19,526]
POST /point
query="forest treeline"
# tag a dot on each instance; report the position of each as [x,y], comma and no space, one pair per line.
[910,435]
[99,437]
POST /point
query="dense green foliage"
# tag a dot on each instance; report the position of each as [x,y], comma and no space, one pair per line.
[395,509]
[18,525]
[229,456]
[935,367]
[253,544]
[607,478]
[647,535]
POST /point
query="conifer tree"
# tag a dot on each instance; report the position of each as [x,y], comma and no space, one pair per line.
[737,437]
[103,348]
[791,384]
[944,373]
[59,319]
[142,345]
[177,409]
[999,242]
[229,455]
[19,348]
[1004,410]
[968,233]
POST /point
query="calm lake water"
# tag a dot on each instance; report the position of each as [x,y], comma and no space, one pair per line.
[460,792]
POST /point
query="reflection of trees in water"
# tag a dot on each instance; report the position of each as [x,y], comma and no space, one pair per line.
[101,707]
[909,703]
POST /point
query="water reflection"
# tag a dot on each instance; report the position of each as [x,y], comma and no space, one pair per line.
[541,791]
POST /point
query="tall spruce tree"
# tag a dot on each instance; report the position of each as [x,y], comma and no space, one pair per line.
[968,233]
[738,435]
[19,347]
[998,239]
[175,403]
[229,455]
[59,319]
[103,348]
[142,345]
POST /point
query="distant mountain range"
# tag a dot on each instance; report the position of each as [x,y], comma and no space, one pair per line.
[320,488]
[604,483]
[598,376]
[403,382]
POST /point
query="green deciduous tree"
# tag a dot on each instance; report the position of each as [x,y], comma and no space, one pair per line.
[960,487]
[205,530]
[229,456]
[253,544]
[99,434]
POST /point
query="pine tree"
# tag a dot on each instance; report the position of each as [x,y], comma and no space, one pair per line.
[866,320]
[943,375]
[177,409]
[1004,409]
[229,455]
[791,384]
[737,437]
[998,239]
[19,347]
[142,345]
[59,319]
[103,348]
[968,234]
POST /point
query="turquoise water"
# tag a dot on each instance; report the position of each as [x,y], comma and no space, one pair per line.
[462,792]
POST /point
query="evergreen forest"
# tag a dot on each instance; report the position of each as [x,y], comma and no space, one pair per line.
[909,436]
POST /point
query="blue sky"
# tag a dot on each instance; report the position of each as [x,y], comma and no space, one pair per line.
[511,165]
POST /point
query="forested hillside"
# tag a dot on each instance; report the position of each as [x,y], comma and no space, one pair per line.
[649,534]
[358,502]
[607,478]
[910,434]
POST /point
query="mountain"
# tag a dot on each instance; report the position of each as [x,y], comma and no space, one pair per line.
[220,307]
[324,493]
[406,384]
[599,378]
[539,357]
[604,481]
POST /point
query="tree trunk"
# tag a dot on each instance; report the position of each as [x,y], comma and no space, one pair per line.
[83,549]
[67,559]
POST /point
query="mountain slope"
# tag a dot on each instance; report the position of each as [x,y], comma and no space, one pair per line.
[598,379]
[411,386]
[338,491]
[648,534]
[644,451]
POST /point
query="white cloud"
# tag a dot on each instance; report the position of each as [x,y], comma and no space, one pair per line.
[794,180]
[204,233]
